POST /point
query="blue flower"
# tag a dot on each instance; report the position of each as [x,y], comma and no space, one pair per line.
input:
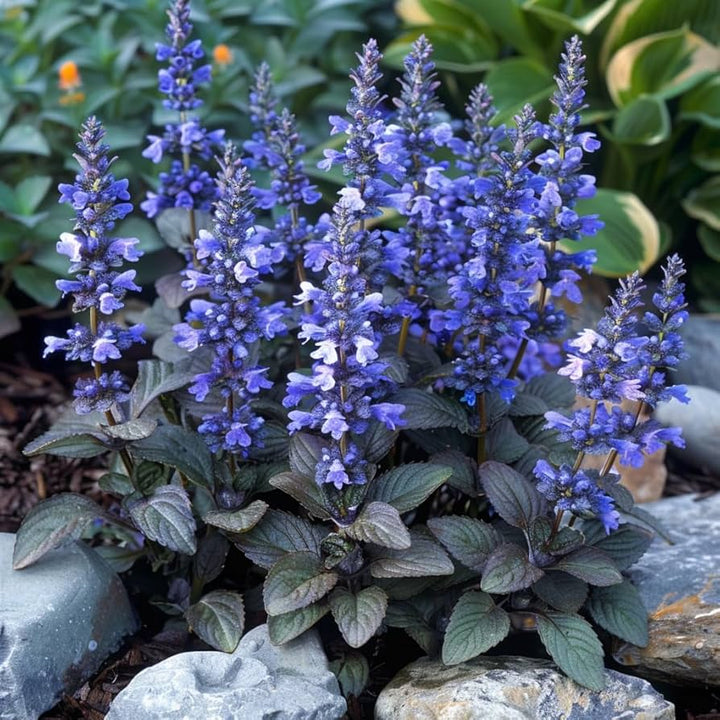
[99,201]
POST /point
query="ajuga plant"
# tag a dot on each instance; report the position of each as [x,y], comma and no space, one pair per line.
[394,448]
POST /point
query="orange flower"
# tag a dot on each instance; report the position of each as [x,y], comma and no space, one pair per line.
[222,54]
[69,76]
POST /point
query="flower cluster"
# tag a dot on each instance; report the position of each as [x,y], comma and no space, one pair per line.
[348,380]
[492,291]
[615,363]
[99,201]
[185,185]
[275,146]
[231,261]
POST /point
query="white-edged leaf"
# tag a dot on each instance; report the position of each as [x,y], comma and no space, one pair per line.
[218,618]
[358,615]
[475,626]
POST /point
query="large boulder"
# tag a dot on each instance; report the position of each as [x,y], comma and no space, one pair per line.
[680,586]
[258,681]
[59,619]
[513,688]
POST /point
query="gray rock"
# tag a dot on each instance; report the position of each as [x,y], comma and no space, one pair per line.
[59,619]
[701,334]
[258,681]
[680,586]
[513,688]
[700,423]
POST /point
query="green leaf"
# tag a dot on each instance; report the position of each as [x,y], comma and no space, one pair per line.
[24,139]
[381,524]
[630,238]
[625,546]
[352,672]
[703,203]
[515,81]
[303,489]
[561,591]
[52,523]
[72,435]
[620,610]
[427,411]
[155,378]
[574,18]
[184,450]
[30,193]
[702,104]
[131,430]
[467,539]
[276,535]
[304,453]
[38,283]
[237,521]
[504,443]
[377,441]
[644,121]
[557,391]
[524,404]
[710,241]
[165,517]
[574,646]
[515,498]
[665,64]
[218,618]
[475,626]
[407,486]
[508,570]
[591,565]
[358,615]
[295,581]
[288,626]
[424,558]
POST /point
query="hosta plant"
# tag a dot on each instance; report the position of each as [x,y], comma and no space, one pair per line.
[375,413]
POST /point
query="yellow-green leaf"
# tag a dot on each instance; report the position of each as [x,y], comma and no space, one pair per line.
[702,103]
[645,121]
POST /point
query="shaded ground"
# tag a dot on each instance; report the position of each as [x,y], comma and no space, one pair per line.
[30,400]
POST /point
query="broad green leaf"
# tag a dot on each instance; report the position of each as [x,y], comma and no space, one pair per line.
[630,238]
[295,581]
[304,453]
[24,139]
[380,524]
[72,435]
[303,489]
[184,450]
[574,646]
[625,546]
[424,558]
[475,626]
[38,283]
[276,535]
[504,443]
[703,203]
[664,64]
[464,470]
[515,81]
[352,671]
[508,570]
[52,523]
[643,121]
[218,618]
[426,410]
[561,591]
[237,521]
[710,241]
[524,404]
[155,378]
[590,565]
[570,17]
[30,193]
[288,626]
[515,498]
[358,615]
[467,539]
[165,517]
[555,390]
[705,149]
[620,610]
[638,18]
[702,104]
[132,430]
[407,486]
[377,441]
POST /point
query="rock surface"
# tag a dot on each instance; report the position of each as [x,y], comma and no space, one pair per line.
[513,688]
[680,586]
[701,335]
[700,423]
[59,619]
[257,682]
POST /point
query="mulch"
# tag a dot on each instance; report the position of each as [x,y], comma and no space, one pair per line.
[30,401]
